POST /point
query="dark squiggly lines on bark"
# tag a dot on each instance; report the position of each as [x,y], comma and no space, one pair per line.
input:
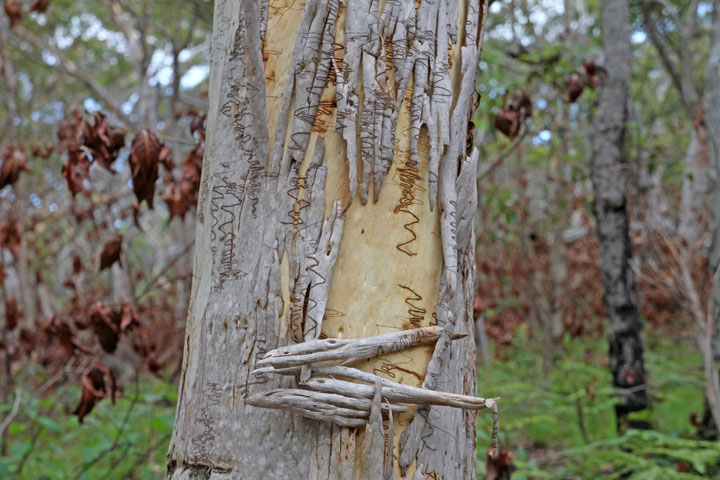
[204,443]
[408,176]
[416,314]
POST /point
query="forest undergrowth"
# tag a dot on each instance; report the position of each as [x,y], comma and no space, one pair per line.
[563,426]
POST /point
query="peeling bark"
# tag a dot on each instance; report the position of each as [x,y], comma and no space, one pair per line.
[608,177]
[312,104]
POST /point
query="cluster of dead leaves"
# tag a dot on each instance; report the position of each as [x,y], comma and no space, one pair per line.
[14,9]
[181,196]
[109,324]
[513,113]
[499,466]
[87,326]
[576,84]
[84,143]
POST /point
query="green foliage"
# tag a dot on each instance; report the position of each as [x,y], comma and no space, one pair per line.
[645,454]
[128,439]
[563,425]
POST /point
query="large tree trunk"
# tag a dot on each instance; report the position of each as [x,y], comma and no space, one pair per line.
[608,177]
[309,100]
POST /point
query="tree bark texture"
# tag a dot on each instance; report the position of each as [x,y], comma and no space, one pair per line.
[711,106]
[336,201]
[608,177]
[712,123]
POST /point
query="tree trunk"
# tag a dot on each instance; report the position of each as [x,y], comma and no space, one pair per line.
[608,177]
[712,123]
[314,104]
[693,200]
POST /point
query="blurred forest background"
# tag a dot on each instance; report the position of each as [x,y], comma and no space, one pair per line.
[96,242]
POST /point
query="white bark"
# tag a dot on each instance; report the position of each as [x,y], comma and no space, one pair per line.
[307,101]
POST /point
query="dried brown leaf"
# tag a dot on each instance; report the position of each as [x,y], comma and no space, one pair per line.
[14,11]
[144,158]
[14,162]
[111,252]
[574,88]
[40,6]
[10,236]
[12,312]
[95,389]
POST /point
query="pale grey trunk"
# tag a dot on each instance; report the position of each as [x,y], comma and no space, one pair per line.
[608,177]
[712,123]
[696,181]
[307,101]
[9,135]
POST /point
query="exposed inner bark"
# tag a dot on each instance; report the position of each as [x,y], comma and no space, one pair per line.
[337,200]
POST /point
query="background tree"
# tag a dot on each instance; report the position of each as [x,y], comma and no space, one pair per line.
[608,164]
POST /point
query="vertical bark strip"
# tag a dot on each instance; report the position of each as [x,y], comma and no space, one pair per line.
[313,103]
[608,177]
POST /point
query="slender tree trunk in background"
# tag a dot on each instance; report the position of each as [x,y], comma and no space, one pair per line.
[608,177]
[694,196]
[314,104]
[712,124]
[9,135]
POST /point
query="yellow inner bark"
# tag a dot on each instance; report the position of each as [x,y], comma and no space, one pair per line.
[387,275]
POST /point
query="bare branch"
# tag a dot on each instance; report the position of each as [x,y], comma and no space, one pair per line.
[400,393]
[68,67]
[349,350]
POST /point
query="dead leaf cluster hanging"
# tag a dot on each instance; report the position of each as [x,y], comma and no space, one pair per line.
[151,341]
[109,324]
[57,328]
[95,388]
[14,162]
[575,85]
[499,466]
[103,141]
[513,113]
[85,142]
[181,196]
